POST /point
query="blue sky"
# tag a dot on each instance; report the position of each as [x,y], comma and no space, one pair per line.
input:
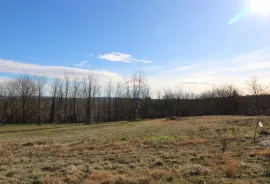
[186,43]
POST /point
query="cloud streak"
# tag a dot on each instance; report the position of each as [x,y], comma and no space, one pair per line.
[240,15]
[121,57]
[195,76]
[81,64]
[199,75]
[10,66]
[183,68]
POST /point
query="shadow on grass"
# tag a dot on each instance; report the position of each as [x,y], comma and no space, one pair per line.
[28,130]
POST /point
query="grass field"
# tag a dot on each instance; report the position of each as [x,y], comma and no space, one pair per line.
[187,150]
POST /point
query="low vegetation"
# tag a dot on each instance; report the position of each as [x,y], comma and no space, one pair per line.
[186,150]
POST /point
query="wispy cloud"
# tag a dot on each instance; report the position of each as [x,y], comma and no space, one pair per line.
[193,82]
[4,79]
[121,57]
[10,66]
[248,62]
[81,64]
[199,75]
[183,68]
[195,75]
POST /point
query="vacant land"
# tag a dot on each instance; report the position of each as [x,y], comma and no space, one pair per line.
[187,150]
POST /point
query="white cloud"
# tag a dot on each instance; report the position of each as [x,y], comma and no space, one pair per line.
[10,66]
[200,75]
[4,79]
[121,57]
[182,68]
[195,76]
[81,64]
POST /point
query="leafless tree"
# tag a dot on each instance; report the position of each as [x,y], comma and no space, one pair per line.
[226,91]
[3,101]
[138,81]
[75,89]
[127,99]
[12,98]
[146,99]
[60,94]
[54,90]
[118,94]
[158,95]
[172,101]
[255,88]
[228,95]
[26,90]
[98,112]
[90,90]
[40,83]
[76,100]
[66,93]
[109,91]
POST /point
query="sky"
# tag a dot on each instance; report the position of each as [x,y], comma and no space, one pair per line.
[188,44]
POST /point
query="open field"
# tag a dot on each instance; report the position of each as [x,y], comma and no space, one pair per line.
[187,150]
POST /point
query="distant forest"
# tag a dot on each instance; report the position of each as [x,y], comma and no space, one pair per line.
[85,100]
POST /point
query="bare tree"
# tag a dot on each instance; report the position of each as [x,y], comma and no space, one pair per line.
[54,90]
[26,90]
[60,94]
[76,86]
[40,83]
[256,89]
[170,101]
[127,100]
[109,91]
[138,81]
[90,90]
[118,94]
[3,101]
[158,95]
[66,93]
[146,99]
[98,103]
[13,109]
[226,91]
[228,95]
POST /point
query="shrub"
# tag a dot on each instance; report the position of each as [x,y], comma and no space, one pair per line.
[230,166]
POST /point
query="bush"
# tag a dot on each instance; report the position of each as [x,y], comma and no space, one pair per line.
[230,166]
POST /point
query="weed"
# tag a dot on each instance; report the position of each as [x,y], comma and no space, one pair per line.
[224,145]
[230,166]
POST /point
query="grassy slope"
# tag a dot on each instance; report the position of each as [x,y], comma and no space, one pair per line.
[154,151]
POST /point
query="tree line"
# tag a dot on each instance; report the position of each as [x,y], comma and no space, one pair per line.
[86,100]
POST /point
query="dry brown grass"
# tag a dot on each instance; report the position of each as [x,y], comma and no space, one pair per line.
[106,177]
[261,152]
[265,153]
[161,174]
[229,165]
[51,180]
[185,150]
[98,177]
[197,141]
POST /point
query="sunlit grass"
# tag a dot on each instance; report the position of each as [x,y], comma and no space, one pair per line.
[186,150]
